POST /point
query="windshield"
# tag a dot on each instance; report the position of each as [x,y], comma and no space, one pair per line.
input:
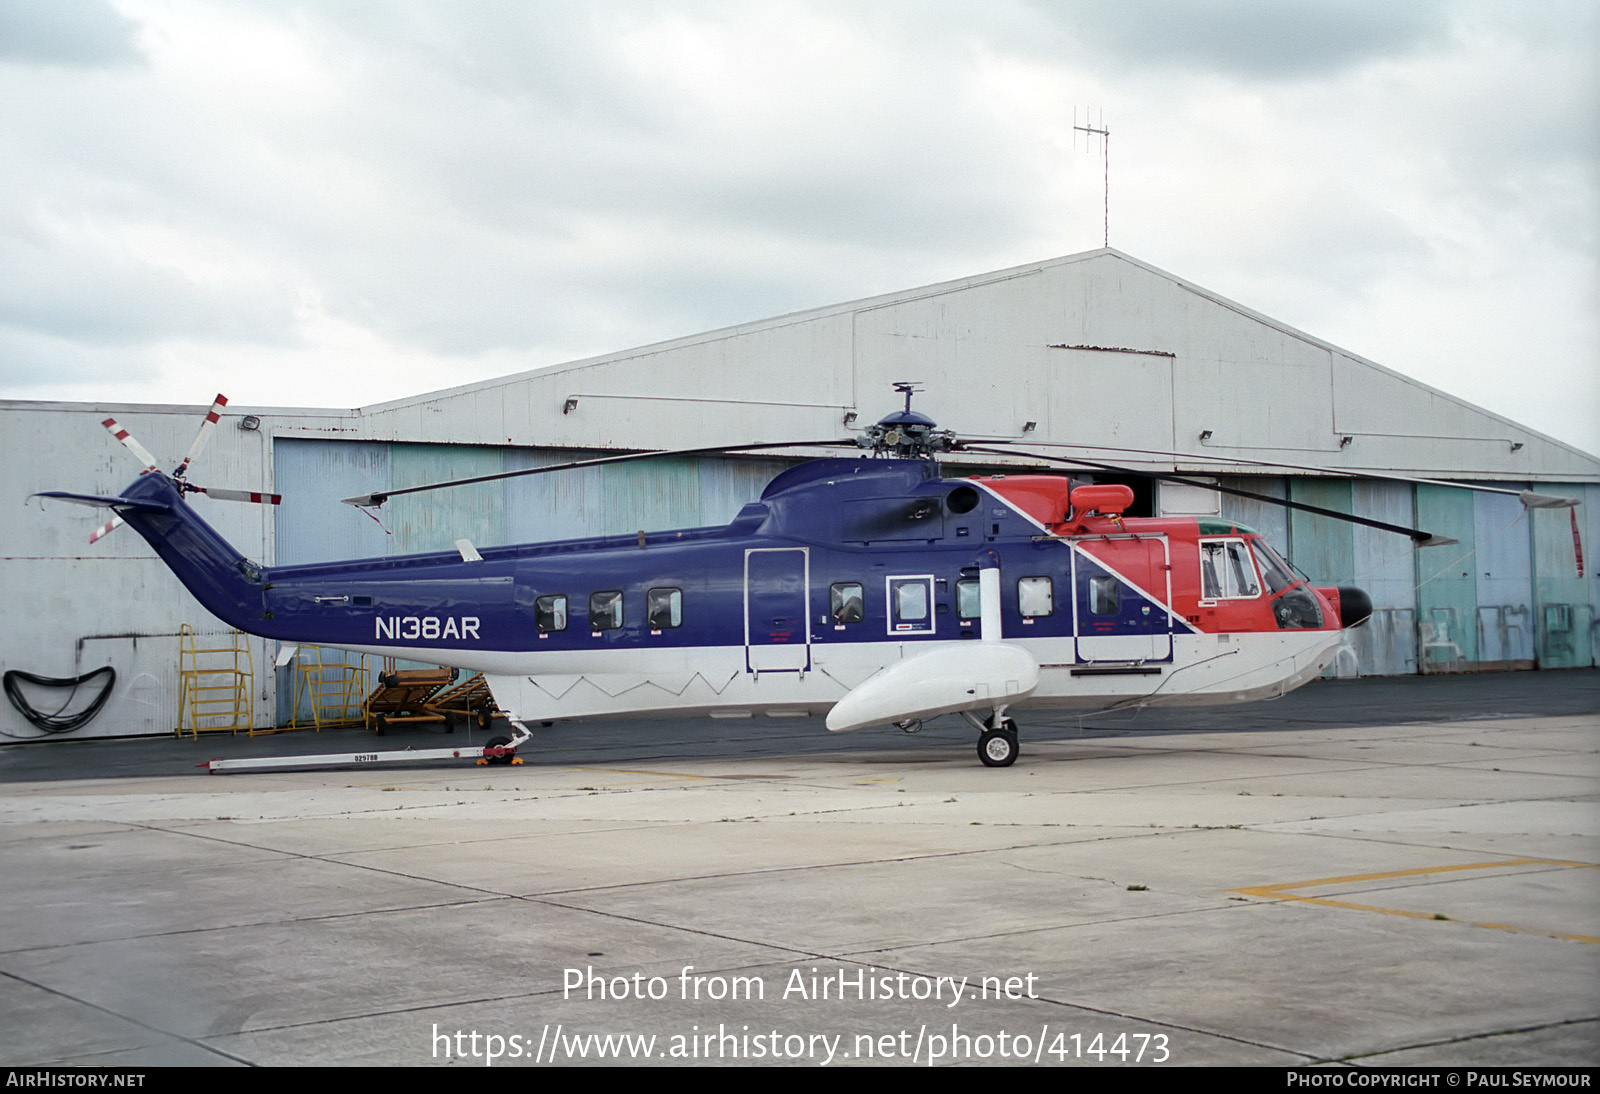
[1276,571]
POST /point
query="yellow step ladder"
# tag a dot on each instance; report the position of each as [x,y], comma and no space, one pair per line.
[331,685]
[216,676]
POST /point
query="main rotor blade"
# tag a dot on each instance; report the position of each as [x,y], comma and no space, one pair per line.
[380,497]
[1423,539]
[1530,498]
[204,435]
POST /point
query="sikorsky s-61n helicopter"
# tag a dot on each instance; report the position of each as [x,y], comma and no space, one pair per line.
[873,589]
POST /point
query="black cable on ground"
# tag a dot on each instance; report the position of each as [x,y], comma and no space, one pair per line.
[58,722]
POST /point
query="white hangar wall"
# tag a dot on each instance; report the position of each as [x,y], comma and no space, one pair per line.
[72,607]
[1095,350]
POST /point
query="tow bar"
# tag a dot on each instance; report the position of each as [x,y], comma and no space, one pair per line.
[499,750]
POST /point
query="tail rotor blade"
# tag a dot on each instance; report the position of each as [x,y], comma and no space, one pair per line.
[203,436]
[105,529]
[237,495]
[139,451]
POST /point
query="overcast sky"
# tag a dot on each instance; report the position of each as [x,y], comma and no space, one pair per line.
[337,203]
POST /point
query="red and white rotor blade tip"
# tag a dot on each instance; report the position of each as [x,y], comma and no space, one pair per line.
[140,451]
[239,495]
[203,436]
[105,530]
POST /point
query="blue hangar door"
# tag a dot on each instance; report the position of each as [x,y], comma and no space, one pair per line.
[776,635]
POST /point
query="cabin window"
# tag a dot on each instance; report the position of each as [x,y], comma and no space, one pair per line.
[1105,595]
[969,602]
[846,603]
[911,601]
[911,605]
[1036,596]
[550,612]
[1226,570]
[605,610]
[663,608]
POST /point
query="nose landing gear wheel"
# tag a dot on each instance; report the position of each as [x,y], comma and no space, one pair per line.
[998,747]
[499,742]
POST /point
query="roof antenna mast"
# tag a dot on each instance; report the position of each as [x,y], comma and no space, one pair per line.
[1090,130]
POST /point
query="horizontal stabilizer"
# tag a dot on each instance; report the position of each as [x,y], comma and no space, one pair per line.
[97,501]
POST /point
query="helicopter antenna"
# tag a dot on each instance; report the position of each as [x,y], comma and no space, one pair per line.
[908,388]
[1103,131]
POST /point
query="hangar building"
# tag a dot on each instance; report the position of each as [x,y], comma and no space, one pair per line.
[1130,365]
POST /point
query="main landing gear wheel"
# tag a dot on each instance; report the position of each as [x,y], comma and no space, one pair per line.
[998,747]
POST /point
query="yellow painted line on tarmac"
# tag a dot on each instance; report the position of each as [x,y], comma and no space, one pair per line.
[1284,891]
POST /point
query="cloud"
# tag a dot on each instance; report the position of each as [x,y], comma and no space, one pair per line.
[1251,39]
[422,192]
[85,33]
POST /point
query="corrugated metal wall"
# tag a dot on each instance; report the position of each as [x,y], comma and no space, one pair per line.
[1507,595]
[315,526]
[1385,567]
[1565,621]
[1502,569]
[1447,600]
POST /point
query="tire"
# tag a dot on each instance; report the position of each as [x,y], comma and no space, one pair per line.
[498,742]
[486,719]
[379,724]
[997,747]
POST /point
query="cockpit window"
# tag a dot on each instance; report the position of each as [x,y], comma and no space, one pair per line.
[1226,570]
[1276,571]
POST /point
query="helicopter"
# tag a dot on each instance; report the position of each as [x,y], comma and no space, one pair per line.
[874,589]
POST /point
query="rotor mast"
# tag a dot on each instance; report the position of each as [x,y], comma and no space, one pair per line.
[907,434]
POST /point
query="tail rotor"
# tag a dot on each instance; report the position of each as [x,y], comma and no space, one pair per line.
[105,529]
[148,461]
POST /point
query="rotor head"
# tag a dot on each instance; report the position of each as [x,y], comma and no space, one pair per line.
[907,434]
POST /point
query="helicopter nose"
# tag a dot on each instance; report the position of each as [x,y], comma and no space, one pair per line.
[1354,605]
